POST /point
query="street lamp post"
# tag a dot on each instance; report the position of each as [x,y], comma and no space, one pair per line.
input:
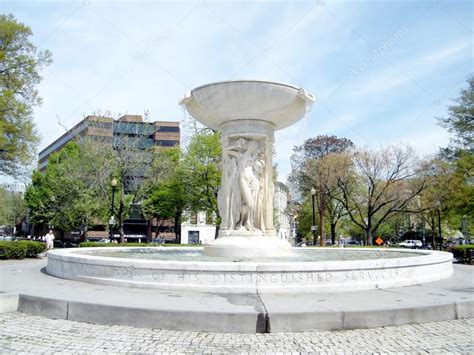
[423,234]
[313,226]
[14,213]
[367,234]
[293,229]
[423,231]
[464,229]
[439,230]
[113,184]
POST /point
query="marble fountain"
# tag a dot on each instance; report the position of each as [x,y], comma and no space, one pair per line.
[248,257]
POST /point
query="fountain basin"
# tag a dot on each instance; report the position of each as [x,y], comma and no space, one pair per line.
[216,103]
[366,269]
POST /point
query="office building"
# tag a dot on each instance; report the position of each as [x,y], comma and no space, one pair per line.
[107,129]
[280,204]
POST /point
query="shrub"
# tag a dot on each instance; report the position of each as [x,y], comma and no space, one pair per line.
[462,252]
[12,250]
[33,248]
[21,249]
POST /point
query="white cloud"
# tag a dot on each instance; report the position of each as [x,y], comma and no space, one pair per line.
[428,141]
[392,77]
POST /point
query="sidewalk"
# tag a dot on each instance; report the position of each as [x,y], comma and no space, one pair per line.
[44,295]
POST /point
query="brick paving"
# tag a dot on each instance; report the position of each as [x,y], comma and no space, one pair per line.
[20,333]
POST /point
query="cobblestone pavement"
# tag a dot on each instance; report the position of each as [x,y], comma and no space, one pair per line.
[20,333]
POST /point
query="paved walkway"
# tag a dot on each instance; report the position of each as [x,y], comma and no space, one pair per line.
[20,333]
[44,295]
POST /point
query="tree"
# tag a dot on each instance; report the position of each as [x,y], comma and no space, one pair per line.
[323,170]
[20,64]
[130,164]
[449,197]
[335,212]
[303,218]
[66,195]
[379,183]
[451,193]
[200,169]
[13,208]
[188,180]
[460,122]
[39,198]
[167,197]
[309,171]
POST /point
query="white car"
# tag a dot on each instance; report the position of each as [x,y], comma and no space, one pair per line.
[411,244]
[104,240]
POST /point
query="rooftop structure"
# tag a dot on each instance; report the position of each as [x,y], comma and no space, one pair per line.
[14,187]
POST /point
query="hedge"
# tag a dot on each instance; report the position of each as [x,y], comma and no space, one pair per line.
[97,244]
[33,248]
[350,246]
[462,252]
[21,249]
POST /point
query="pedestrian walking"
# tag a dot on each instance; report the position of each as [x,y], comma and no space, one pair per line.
[49,239]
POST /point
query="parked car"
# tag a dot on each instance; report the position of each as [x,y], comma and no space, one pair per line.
[352,242]
[411,244]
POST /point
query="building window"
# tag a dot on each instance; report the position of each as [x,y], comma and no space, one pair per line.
[133,128]
[166,143]
[168,129]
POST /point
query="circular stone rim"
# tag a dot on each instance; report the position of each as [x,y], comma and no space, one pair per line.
[202,114]
[214,277]
[244,81]
[70,254]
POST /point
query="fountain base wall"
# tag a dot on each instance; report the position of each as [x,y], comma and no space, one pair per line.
[247,246]
[252,277]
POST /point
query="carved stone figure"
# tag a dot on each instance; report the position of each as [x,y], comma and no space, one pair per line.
[229,199]
[241,197]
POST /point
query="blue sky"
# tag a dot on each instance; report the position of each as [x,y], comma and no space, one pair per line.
[381,70]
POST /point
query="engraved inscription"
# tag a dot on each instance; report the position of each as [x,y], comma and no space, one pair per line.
[216,278]
[371,275]
[126,273]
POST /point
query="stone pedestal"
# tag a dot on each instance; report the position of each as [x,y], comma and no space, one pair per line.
[247,113]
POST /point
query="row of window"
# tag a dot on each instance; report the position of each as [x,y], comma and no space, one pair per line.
[168,129]
[133,128]
[166,143]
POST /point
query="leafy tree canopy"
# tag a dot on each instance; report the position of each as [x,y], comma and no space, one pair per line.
[201,170]
[20,64]
[460,121]
[167,198]
[66,195]
[13,207]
